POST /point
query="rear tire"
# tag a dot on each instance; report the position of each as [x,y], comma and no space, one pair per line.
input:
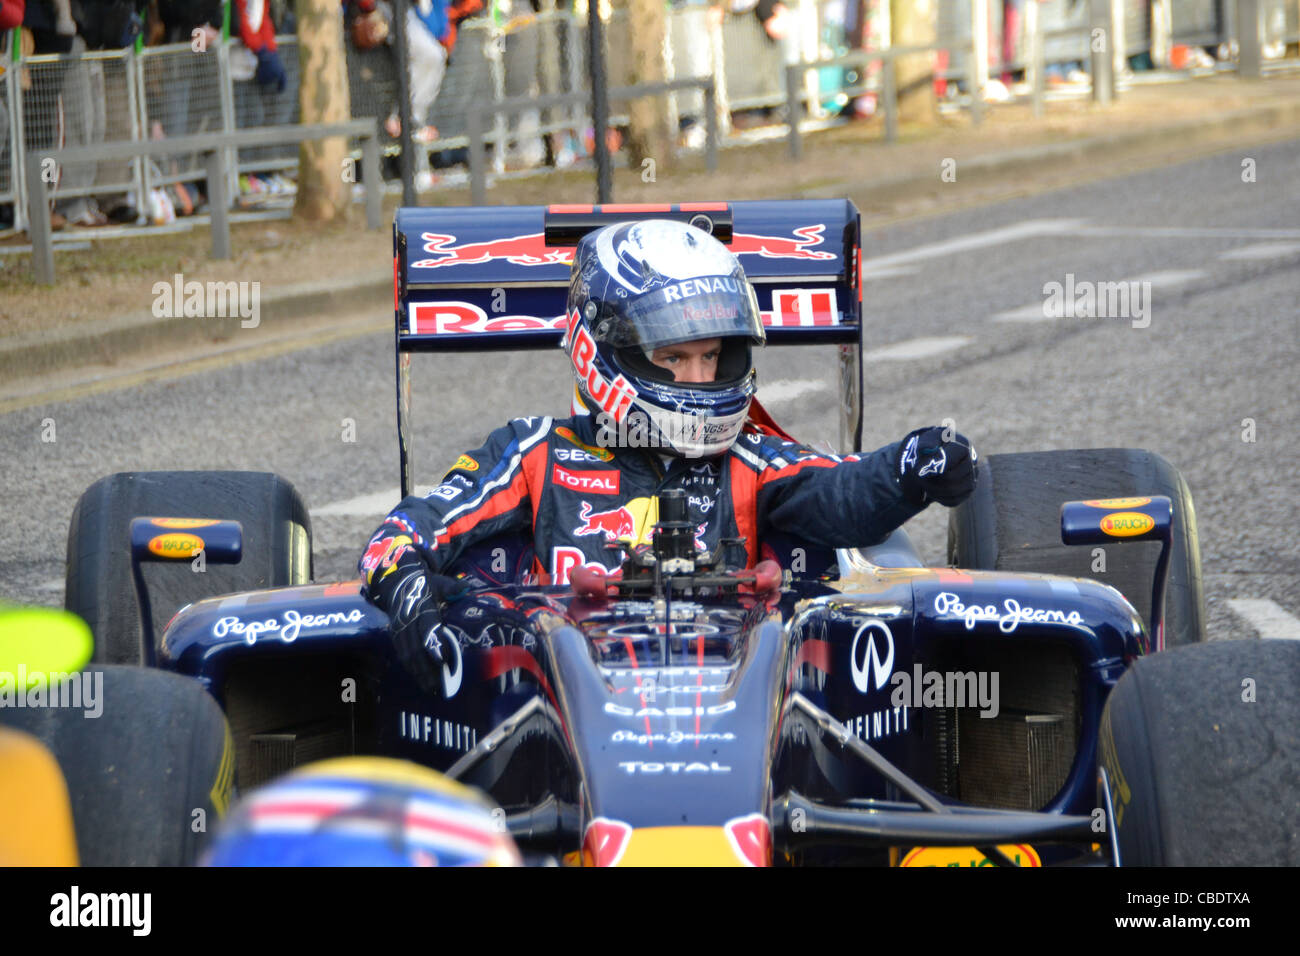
[1012,522]
[1199,774]
[276,550]
[149,776]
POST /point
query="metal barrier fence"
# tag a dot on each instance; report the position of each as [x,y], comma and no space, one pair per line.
[215,151]
[171,91]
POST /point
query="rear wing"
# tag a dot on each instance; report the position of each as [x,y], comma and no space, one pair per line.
[487,278]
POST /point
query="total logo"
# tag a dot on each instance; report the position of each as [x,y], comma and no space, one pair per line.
[1127,524]
[671,767]
[591,482]
[872,666]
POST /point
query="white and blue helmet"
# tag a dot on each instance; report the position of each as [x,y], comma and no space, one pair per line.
[638,286]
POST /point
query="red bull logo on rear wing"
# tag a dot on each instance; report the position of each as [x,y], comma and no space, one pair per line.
[471,279]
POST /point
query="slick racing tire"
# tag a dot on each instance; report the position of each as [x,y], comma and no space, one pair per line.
[1012,522]
[148,759]
[276,548]
[1201,751]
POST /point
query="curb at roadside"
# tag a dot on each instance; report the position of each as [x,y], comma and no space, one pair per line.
[141,334]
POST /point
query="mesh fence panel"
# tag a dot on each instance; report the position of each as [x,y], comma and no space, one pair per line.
[182,97]
[43,116]
[111,85]
[953,29]
[521,76]
[372,82]
[65,103]
[471,77]
[257,105]
[520,57]
[755,64]
[1196,22]
[691,55]
[1137,26]
[1065,15]
[618,72]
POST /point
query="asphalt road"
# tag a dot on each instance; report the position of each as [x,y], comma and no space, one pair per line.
[957,299]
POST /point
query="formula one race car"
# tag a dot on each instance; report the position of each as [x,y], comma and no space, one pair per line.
[1018,708]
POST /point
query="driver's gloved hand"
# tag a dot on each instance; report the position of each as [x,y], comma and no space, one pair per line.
[932,469]
[413,596]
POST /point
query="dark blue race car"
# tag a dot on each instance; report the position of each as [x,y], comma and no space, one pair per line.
[1017,708]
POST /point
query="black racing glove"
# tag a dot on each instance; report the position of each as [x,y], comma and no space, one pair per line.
[413,596]
[931,469]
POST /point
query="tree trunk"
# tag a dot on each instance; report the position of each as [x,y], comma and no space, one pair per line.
[650,135]
[325,173]
[913,24]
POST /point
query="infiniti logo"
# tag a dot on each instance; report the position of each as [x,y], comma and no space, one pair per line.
[872,665]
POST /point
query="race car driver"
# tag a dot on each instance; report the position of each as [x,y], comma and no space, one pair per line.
[661,323]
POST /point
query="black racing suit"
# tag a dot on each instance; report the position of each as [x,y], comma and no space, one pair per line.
[549,475]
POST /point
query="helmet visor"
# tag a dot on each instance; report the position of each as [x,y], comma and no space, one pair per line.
[703,308]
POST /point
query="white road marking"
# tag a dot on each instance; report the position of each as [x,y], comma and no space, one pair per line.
[1185,232]
[923,347]
[1037,312]
[376,504]
[1267,617]
[1261,250]
[1170,278]
[1054,307]
[788,389]
[1030,229]
[887,272]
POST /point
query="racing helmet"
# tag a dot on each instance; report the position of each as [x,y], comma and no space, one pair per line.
[362,811]
[638,286]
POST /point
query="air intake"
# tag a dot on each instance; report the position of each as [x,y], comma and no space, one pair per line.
[1021,758]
